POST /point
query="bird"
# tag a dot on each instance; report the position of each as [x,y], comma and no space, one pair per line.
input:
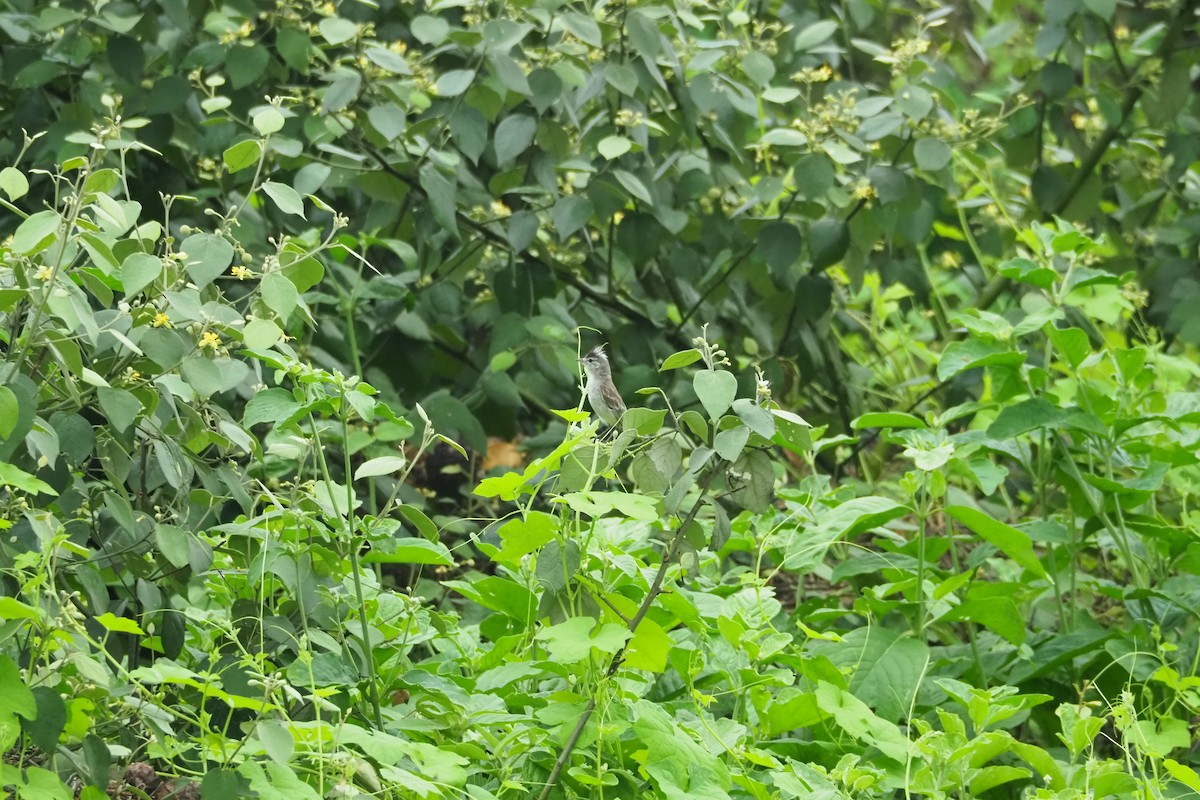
[602,394]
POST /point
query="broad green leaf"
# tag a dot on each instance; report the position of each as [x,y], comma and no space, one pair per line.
[1025,416]
[678,766]
[454,82]
[138,271]
[614,146]
[17,697]
[279,294]
[646,421]
[243,154]
[681,359]
[885,667]
[932,154]
[285,197]
[260,334]
[780,245]
[117,624]
[272,405]
[21,480]
[13,183]
[973,353]
[514,134]
[856,718]
[336,30]
[36,232]
[716,390]
[1014,543]
[268,121]
[815,34]
[207,256]
[120,406]
[383,465]
[406,550]
[828,241]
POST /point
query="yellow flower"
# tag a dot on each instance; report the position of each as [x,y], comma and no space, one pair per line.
[500,210]
[161,320]
[210,340]
[44,273]
[241,273]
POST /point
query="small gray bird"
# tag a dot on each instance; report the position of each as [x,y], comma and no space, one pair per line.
[602,394]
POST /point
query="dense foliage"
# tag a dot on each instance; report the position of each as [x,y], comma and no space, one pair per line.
[265,269]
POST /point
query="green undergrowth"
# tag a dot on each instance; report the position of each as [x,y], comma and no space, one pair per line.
[216,560]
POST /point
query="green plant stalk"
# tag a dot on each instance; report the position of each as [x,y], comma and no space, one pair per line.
[354,563]
[651,595]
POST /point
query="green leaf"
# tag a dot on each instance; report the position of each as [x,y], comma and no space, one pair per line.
[273,405]
[514,134]
[614,146]
[521,537]
[246,63]
[13,183]
[974,353]
[716,390]
[10,407]
[914,102]
[120,406]
[885,667]
[1025,271]
[404,550]
[388,119]
[679,767]
[454,82]
[442,193]
[779,244]
[174,543]
[569,214]
[336,30]
[681,359]
[285,197]
[887,419]
[243,154]
[932,154]
[645,421]
[279,294]
[23,481]
[828,241]
[758,67]
[138,271]
[802,554]
[729,443]
[856,718]
[1014,543]
[45,728]
[207,257]
[116,624]
[999,614]
[430,30]
[383,465]
[1028,415]
[572,641]
[1105,9]
[815,34]
[35,233]
[261,334]
[755,417]
[268,121]
[322,669]
[17,697]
